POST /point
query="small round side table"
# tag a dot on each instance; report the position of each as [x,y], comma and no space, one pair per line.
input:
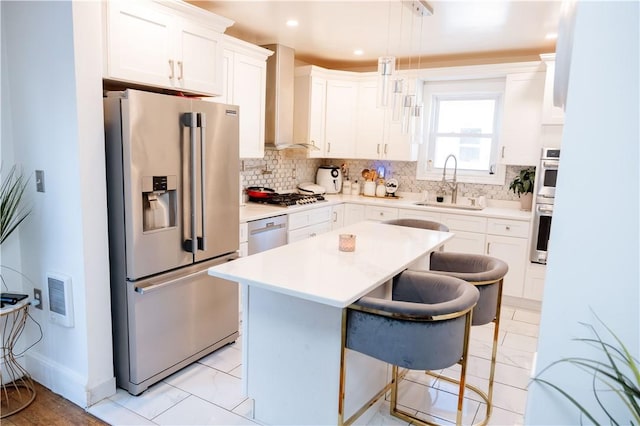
[18,391]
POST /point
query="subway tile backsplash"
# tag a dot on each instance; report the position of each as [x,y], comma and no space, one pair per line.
[284,170]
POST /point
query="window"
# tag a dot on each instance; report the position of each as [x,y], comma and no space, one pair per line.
[463,120]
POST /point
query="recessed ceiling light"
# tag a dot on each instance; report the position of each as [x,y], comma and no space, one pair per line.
[358,52]
[551,36]
[292,23]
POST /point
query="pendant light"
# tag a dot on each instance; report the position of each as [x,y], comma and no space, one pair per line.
[386,69]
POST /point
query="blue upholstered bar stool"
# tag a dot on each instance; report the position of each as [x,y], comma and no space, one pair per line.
[486,273]
[425,326]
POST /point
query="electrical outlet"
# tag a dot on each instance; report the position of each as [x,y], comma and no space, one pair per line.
[37,295]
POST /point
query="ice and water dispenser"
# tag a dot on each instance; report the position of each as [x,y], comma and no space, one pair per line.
[159,202]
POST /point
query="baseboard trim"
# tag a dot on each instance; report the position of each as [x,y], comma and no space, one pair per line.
[66,382]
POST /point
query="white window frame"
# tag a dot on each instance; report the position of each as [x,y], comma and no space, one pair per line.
[461,89]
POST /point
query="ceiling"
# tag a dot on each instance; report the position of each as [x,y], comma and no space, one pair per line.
[458,31]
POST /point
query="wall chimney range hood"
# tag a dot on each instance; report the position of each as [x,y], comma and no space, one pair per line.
[279,105]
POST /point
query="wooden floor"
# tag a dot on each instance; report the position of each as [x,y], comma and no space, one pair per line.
[51,409]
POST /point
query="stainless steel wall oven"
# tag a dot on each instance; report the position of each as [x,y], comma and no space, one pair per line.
[545,198]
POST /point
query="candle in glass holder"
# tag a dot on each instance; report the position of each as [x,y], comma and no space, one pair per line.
[347,242]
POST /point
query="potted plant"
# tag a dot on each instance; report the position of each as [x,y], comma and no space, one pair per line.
[523,185]
[13,211]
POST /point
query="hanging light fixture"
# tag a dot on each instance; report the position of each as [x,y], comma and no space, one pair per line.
[386,69]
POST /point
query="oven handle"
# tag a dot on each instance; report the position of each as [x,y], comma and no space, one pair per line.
[550,164]
[545,208]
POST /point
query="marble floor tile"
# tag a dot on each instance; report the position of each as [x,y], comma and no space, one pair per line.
[209,384]
[520,342]
[527,316]
[115,414]
[195,411]
[155,400]
[224,359]
[519,327]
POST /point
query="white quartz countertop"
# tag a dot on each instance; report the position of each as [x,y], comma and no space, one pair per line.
[314,269]
[501,210]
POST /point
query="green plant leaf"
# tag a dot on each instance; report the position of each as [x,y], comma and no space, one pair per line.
[13,212]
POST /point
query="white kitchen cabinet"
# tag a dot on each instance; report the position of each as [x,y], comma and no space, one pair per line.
[337,216]
[419,214]
[551,114]
[377,136]
[379,213]
[353,213]
[508,240]
[309,223]
[244,84]
[244,240]
[521,122]
[534,281]
[340,125]
[469,233]
[170,45]
[325,104]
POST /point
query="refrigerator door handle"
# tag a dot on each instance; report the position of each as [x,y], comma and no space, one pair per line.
[202,242]
[190,120]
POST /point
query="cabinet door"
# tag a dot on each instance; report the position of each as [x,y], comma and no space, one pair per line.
[199,59]
[514,252]
[317,117]
[466,242]
[340,126]
[226,96]
[370,124]
[337,220]
[249,92]
[551,114]
[139,44]
[522,118]
[353,213]
[308,232]
[380,213]
[398,146]
[419,214]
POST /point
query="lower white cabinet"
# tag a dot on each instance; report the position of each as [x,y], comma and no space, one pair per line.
[534,281]
[508,241]
[337,216]
[244,240]
[309,223]
[379,213]
[470,233]
[353,213]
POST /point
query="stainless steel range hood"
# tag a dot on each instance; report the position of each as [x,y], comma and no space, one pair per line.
[279,108]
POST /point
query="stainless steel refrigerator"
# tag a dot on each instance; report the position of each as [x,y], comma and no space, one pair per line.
[173,200]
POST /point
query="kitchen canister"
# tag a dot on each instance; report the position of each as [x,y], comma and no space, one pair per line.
[381,190]
[369,189]
[355,188]
[346,187]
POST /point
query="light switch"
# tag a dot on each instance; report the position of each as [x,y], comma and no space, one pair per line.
[40,180]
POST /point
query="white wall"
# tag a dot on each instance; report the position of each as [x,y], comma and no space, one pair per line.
[594,254]
[52,106]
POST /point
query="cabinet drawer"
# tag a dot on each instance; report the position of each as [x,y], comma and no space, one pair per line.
[244,232]
[457,222]
[508,228]
[380,213]
[308,232]
[309,217]
[419,214]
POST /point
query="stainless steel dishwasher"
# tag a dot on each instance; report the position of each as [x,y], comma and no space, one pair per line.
[265,234]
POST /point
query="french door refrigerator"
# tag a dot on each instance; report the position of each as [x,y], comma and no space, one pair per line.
[173,200]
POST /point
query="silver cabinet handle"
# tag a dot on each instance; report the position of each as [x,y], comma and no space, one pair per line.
[203,186]
[488,248]
[180,76]
[171,74]
[503,152]
[378,149]
[386,145]
[335,216]
[508,228]
[313,234]
[328,146]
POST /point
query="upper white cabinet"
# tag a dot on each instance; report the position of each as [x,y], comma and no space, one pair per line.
[522,120]
[377,136]
[550,114]
[325,104]
[244,70]
[170,45]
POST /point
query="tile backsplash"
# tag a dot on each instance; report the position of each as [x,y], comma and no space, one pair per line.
[284,170]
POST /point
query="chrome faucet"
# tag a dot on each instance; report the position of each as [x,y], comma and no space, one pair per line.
[454,183]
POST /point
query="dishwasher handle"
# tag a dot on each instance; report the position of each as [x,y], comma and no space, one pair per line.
[269,226]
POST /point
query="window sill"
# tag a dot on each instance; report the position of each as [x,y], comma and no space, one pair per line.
[496,179]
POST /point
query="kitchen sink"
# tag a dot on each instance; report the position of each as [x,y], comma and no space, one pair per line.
[449,205]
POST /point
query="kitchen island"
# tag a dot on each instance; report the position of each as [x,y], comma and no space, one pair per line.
[294,299]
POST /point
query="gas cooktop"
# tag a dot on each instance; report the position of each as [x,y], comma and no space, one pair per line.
[289,199]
